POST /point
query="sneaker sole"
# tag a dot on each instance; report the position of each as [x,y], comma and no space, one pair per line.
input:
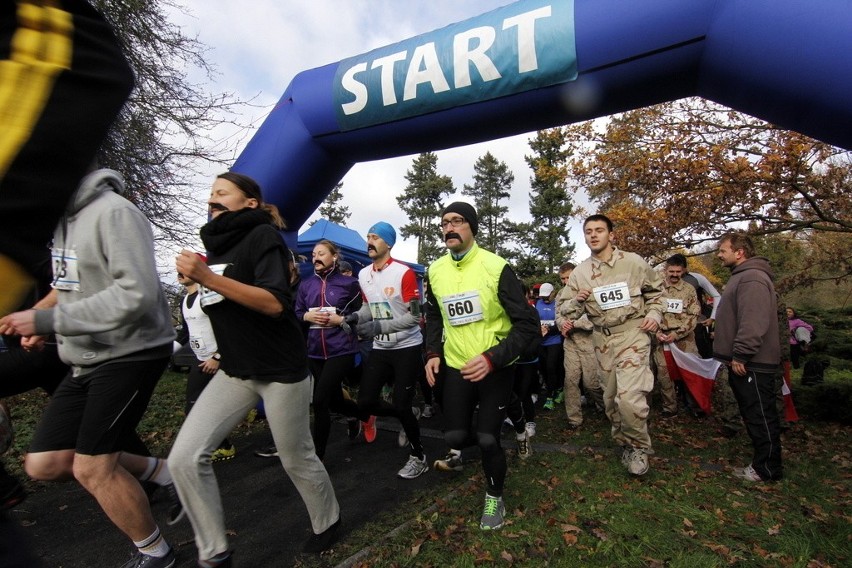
[176,520]
[425,469]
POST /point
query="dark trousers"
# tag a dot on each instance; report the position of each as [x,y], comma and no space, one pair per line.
[755,394]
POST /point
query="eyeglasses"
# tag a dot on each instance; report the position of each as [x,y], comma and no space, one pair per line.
[455,222]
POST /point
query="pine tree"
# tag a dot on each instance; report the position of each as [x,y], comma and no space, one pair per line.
[551,205]
[332,209]
[422,201]
[492,183]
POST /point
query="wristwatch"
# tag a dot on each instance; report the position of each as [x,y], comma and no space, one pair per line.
[217,357]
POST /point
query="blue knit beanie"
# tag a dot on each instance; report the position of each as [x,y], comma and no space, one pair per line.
[385,231]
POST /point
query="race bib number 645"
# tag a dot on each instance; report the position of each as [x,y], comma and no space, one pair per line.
[612,295]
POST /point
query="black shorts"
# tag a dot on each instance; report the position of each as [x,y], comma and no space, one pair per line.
[95,413]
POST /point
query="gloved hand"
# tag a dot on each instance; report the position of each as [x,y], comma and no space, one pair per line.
[369,329]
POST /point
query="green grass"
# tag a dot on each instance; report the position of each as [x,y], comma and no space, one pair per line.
[574,505]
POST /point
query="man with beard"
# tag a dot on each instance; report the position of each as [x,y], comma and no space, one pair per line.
[476,303]
[747,341]
[246,293]
[621,294]
[391,315]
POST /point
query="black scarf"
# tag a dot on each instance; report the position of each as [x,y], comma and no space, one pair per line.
[229,228]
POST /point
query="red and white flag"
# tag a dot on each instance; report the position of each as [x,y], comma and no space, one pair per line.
[790,414]
[698,374]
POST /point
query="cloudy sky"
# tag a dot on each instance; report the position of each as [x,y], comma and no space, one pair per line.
[258,46]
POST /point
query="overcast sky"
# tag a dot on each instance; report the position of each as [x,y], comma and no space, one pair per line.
[258,46]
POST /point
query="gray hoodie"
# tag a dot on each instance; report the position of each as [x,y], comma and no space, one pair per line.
[110,301]
[747,318]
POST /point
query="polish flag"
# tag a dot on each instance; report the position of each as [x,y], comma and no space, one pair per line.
[790,414]
[698,374]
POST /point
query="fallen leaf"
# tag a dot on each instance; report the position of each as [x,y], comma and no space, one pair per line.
[774,530]
[687,523]
[569,538]
[507,557]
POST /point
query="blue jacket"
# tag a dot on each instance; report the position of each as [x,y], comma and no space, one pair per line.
[336,291]
[547,316]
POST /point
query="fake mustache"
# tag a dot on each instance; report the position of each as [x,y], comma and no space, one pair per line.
[452,235]
[371,248]
[217,207]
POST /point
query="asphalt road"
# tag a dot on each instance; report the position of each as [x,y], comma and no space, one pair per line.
[64,527]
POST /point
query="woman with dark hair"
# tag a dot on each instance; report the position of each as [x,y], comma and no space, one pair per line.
[323,302]
[247,295]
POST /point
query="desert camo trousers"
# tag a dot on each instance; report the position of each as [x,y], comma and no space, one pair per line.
[580,362]
[624,360]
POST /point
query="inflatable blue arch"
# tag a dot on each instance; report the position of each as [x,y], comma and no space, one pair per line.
[538,64]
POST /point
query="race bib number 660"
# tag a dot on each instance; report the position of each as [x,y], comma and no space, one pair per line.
[612,295]
[462,308]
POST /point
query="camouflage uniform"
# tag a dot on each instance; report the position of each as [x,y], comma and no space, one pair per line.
[579,361]
[680,318]
[624,291]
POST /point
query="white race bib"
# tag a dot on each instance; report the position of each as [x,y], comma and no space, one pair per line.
[462,308]
[66,274]
[208,297]
[196,343]
[327,309]
[612,295]
[674,305]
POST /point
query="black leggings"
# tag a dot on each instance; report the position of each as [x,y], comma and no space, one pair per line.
[460,398]
[550,362]
[526,383]
[328,396]
[401,368]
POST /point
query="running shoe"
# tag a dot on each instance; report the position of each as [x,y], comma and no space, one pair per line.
[549,404]
[223,454]
[402,439]
[492,514]
[560,397]
[637,464]
[414,467]
[428,411]
[524,446]
[267,452]
[530,428]
[748,473]
[322,541]
[146,561]
[12,494]
[353,426]
[453,462]
[176,510]
[370,431]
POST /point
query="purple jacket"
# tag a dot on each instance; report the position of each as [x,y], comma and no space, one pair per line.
[336,291]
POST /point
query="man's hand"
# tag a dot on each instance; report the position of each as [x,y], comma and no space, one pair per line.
[566,327]
[649,324]
[33,342]
[476,369]
[19,323]
[433,366]
[665,337]
[583,295]
[738,368]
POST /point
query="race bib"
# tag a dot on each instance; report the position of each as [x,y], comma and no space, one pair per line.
[612,296]
[548,323]
[463,308]
[208,297]
[66,274]
[328,309]
[674,305]
[196,343]
[381,310]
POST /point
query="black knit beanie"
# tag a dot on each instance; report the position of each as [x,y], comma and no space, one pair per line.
[467,211]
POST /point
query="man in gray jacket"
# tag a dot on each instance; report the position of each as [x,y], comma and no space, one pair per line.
[747,341]
[113,328]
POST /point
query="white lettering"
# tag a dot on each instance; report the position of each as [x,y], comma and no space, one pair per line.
[463,56]
[356,87]
[527,60]
[424,68]
[386,64]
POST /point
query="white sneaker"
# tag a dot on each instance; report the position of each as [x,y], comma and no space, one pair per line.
[748,473]
[530,428]
[414,467]
[638,463]
[402,440]
[524,446]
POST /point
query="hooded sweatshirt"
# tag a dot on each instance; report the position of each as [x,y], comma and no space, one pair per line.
[110,301]
[746,319]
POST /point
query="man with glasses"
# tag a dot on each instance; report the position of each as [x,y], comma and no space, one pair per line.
[477,304]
